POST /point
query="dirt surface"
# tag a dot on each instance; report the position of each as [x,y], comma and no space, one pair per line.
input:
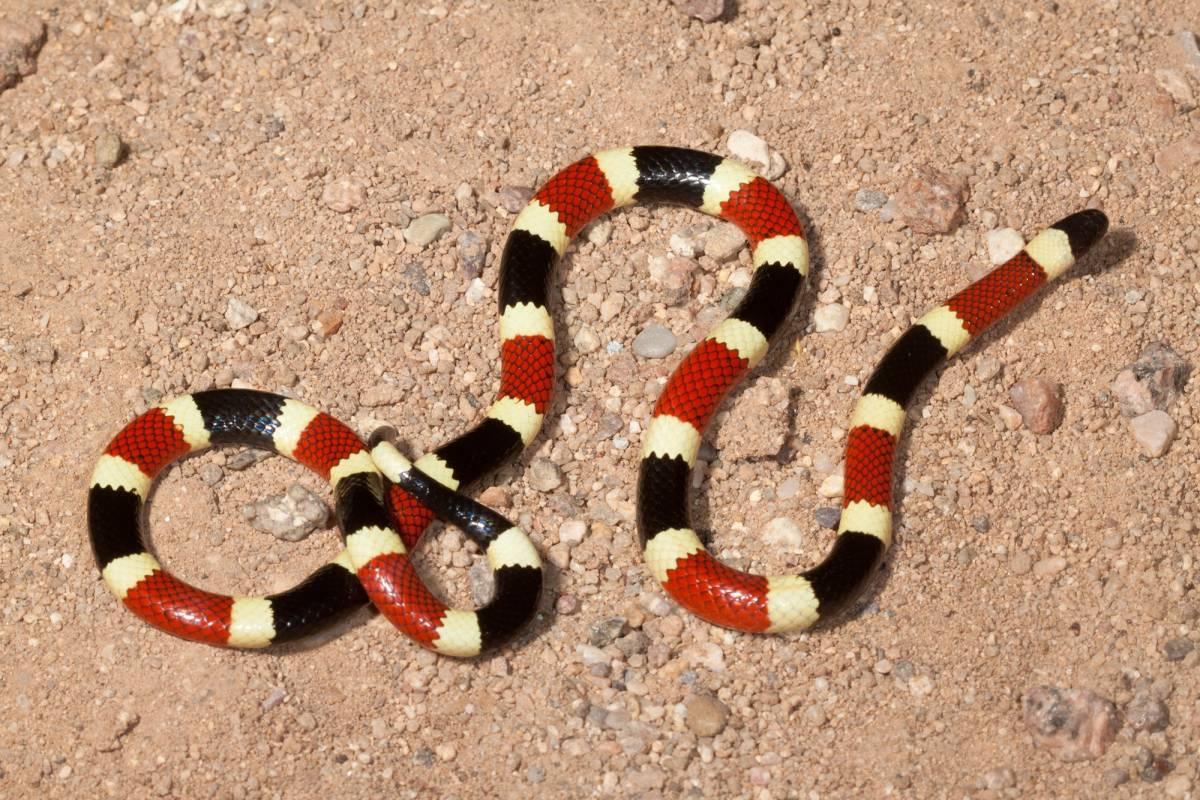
[1022,560]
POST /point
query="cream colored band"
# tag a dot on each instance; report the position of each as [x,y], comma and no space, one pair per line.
[620,168]
[879,412]
[115,472]
[186,414]
[671,437]
[727,178]
[667,548]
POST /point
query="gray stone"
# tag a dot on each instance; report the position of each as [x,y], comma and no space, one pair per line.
[291,517]
[606,631]
[828,517]
[244,459]
[211,474]
[1178,649]
[514,198]
[416,275]
[1146,712]
[426,229]
[703,10]
[654,341]
[869,199]
[544,475]
[472,250]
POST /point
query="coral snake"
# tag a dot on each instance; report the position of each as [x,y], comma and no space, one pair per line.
[384,503]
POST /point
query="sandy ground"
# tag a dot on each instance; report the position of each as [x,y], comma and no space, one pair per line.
[1021,560]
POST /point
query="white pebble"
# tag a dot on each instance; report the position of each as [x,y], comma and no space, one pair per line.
[748,147]
[1003,244]
[833,486]
[832,317]
[784,533]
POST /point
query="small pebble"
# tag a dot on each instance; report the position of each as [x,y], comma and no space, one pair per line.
[211,474]
[344,194]
[109,150]
[1049,566]
[1146,712]
[514,198]
[426,229]
[1037,401]
[606,631]
[869,199]
[1154,431]
[239,314]
[1177,649]
[1009,416]
[1152,382]
[724,242]
[273,699]
[828,517]
[932,202]
[572,532]
[750,148]
[785,534]
[833,486]
[290,517]
[706,715]
[544,475]
[831,318]
[1003,244]
[472,249]
[1073,724]
[654,341]
[703,10]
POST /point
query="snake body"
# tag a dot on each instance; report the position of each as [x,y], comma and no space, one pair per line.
[384,503]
